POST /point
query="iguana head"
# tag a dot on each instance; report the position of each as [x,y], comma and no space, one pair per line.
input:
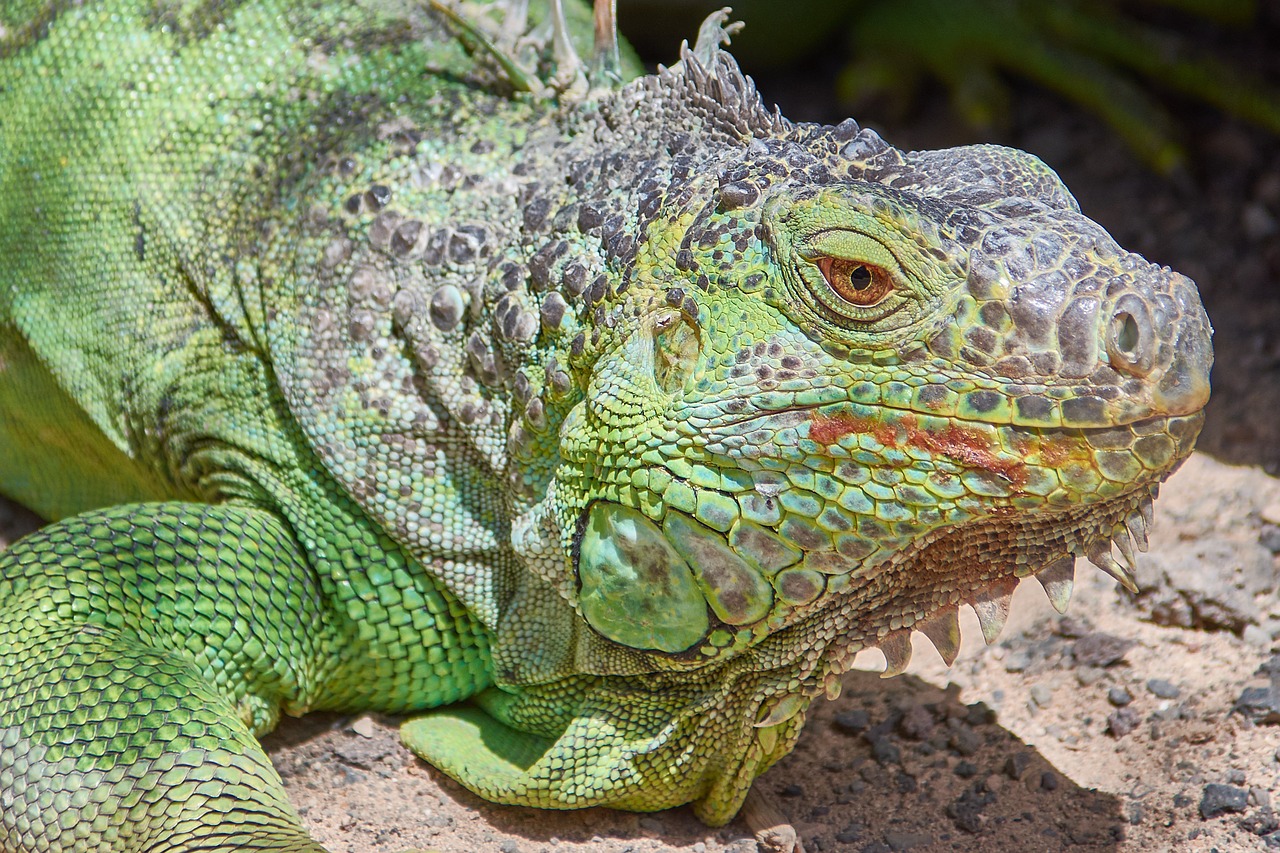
[830,392]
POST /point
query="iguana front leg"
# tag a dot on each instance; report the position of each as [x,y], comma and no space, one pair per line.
[141,648]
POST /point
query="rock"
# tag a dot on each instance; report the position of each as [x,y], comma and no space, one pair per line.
[1100,649]
[1123,721]
[886,751]
[966,812]
[1262,704]
[1087,675]
[1256,636]
[1040,695]
[979,714]
[917,723]
[364,752]
[965,742]
[1221,799]
[906,840]
[1071,627]
[363,726]
[1119,696]
[1207,584]
[852,722]
[1163,689]
[1269,538]
[1262,823]
[1017,661]
[1016,765]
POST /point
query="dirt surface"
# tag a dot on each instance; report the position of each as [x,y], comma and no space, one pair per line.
[1100,730]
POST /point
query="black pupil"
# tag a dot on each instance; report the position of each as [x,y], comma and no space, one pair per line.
[860,278]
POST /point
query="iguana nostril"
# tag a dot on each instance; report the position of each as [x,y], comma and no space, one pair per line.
[1130,337]
[1127,337]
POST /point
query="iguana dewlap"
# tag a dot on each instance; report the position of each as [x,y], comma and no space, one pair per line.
[358,371]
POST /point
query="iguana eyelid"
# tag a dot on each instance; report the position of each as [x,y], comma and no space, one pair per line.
[849,245]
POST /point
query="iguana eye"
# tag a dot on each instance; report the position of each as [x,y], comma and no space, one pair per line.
[857,283]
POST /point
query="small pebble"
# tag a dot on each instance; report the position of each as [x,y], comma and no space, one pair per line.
[1049,781]
[1119,696]
[1069,626]
[1269,538]
[851,833]
[792,791]
[1041,695]
[1122,722]
[1100,649]
[966,770]
[978,714]
[886,751]
[1257,637]
[917,723]
[1258,704]
[1018,661]
[852,722]
[1236,777]
[1221,799]
[1087,675]
[1016,765]
[1163,689]
[906,840]
[966,742]
[363,726]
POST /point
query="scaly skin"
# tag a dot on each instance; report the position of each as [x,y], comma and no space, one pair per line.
[353,381]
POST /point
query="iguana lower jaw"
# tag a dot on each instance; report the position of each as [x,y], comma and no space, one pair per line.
[699,728]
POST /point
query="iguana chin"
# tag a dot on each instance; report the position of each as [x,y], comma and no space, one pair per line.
[352,378]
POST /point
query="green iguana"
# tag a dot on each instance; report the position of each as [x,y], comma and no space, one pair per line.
[366,354]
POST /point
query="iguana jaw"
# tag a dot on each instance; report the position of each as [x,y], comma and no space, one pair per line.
[702,736]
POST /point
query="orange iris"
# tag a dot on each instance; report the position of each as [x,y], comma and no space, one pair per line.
[857,283]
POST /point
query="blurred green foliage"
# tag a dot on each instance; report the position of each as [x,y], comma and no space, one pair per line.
[1100,54]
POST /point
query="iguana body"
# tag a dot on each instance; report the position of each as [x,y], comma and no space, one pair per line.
[353,381]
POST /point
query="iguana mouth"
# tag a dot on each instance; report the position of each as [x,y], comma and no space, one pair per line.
[979,565]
